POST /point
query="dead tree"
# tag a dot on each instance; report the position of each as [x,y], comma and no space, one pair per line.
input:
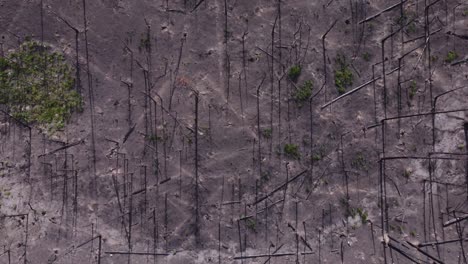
[272,80]
[465,127]
[197,210]
[91,99]
[258,127]
[227,61]
[324,51]
[176,71]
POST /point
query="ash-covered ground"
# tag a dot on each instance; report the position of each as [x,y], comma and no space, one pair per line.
[243,132]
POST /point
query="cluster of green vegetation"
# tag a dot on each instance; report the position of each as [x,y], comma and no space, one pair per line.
[354,211]
[451,56]
[153,138]
[411,28]
[5,193]
[397,228]
[319,154]
[292,151]
[303,93]
[359,162]
[267,132]
[361,212]
[366,56]
[343,75]
[317,157]
[251,224]
[36,85]
[294,73]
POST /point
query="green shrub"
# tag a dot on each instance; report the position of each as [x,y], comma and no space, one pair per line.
[292,151]
[304,92]
[359,211]
[359,162]
[319,153]
[36,85]
[343,75]
[266,133]
[251,224]
[451,56]
[411,28]
[316,157]
[153,138]
[363,214]
[294,73]
[341,90]
[366,56]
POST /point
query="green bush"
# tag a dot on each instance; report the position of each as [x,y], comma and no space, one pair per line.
[451,56]
[36,85]
[363,214]
[251,224]
[343,75]
[366,56]
[266,133]
[304,92]
[319,153]
[153,138]
[292,151]
[359,162]
[353,211]
[317,157]
[294,73]
[411,28]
